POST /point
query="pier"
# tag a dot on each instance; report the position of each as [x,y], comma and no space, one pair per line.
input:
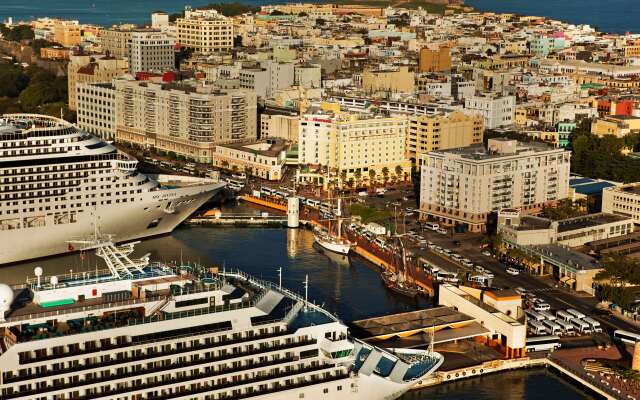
[240,220]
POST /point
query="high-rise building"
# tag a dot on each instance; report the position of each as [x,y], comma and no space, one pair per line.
[151,51]
[159,20]
[436,59]
[185,120]
[96,104]
[115,41]
[497,110]
[352,145]
[443,131]
[464,185]
[205,31]
[67,33]
[267,78]
[92,69]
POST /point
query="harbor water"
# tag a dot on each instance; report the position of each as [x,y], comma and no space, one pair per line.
[351,289]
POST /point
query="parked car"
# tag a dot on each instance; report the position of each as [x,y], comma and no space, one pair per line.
[541,307]
[442,231]
[513,271]
[486,253]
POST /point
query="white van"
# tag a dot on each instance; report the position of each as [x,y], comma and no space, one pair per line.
[547,315]
[581,326]
[533,316]
[595,325]
[567,327]
[563,315]
[553,327]
[536,328]
[432,226]
[575,313]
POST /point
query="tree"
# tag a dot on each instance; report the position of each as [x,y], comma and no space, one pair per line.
[351,182]
[358,175]
[398,171]
[12,81]
[234,169]
[372,177]
[248,171]
[225,164]
[385,173]
[343,175]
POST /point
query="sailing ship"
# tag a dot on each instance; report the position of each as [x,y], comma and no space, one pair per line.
[334,241]
[399,278]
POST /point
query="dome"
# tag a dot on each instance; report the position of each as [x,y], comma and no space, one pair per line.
[6,297]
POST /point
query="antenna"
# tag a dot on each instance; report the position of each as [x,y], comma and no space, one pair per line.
[306,291]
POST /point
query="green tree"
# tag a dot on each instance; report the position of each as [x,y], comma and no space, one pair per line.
[358,175]
[343,176]
[385,174]
[372,177]
[398,171]
[12,81]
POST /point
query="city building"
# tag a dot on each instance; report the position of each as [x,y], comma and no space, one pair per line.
[498,111]
[115,41]
[67,33]
[279,123]
[362,147]
[307,75]
[442,131]
[151,51]
[181,119]
[96,103]
[622,200]
[437,59]
[159,20]
[205,31]
[618,125]
[393,80]
[92,69]
[264,159]
[463,186]
[267,78]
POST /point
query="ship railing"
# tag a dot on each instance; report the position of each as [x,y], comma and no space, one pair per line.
[267,285]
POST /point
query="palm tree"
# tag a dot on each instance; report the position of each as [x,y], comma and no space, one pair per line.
[234,169]
[385,173]
[343,176]
[398,171]
[351,182]
[372,177]
[358,175]
[225,164]
[248,171]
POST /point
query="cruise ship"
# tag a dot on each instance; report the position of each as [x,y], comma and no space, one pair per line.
[144,330]
[58,183]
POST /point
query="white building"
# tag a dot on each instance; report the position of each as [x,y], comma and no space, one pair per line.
[159,20]
[264,159]
[622,200]
[465,185]
[96,109]
[308,75]
[268,78]
[497,110]
[151,51]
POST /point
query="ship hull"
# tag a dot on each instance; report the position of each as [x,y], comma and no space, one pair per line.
[153,213]
[338,248]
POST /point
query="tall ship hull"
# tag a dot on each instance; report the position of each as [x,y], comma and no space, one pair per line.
[333,244]
[142,330]
[63,184]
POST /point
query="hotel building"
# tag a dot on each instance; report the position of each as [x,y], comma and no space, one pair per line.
[205,31]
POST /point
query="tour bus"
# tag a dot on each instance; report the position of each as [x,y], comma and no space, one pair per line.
[581,326]
[595,325]
[233,182]
[567,327]
[267,191]
[534,316]
[543,343]
[431,226]
[240,176]
[448,277]
[575,313]
[547,315]
[312,203]
[563,315]
[380,243]
[553,327]
[479,279]
[536,328]
[626,336]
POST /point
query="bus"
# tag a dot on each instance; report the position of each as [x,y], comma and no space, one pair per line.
[567,327]
[313,203]
[445,276]
[595,325]
[565,316]
[432,226]
[553,327]
[576,313]
[547,315]
[536,328]
[626,336]
[233,183]
[543,343]
[534,316]
[267,191]
[581,326]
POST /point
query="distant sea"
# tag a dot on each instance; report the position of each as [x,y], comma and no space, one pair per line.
[608,15]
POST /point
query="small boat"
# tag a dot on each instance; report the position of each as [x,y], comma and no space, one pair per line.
[334,242]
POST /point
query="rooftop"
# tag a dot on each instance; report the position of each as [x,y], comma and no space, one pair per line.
[587,221]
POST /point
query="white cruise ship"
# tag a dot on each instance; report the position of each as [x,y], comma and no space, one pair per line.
[141,330]
[58,183]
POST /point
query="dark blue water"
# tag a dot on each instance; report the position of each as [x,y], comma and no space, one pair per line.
[352,290]
[616,16]
[610,16]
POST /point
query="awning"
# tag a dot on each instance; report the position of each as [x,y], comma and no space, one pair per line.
[565,279]
[571,282]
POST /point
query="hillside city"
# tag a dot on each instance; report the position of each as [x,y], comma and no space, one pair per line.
[498,153]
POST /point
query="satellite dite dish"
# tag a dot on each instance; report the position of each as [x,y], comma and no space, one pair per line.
[54,281]
[38,272]
[6,299]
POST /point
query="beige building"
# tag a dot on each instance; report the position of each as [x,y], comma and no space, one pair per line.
[186,120]
[622,200]
[356,146]
[618,126]
[115,41]
[205,31]
[435,59]
[92,69]
[443,131]
[151,51]
[465,185]
[398,80]
[67,33]
[264,159]
[96,104]
[280,125]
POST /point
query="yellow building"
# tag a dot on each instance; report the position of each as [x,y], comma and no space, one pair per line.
[618,126]
[205,31]
[264,159]
[438,132]
[435,59]
[92,69]
[398,80]
[67,33]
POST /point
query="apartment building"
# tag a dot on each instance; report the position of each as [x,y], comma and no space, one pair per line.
[183,119]
[279,123]
[205,31]
[92,69]
[67,33]
[151,51]
[396,80]
[435,59]
[442,131]
[307,75]
[264,159]
[364,147]
[497,110]
[267,78]
[115,41]
[465,185]
[622,200]
[96,103]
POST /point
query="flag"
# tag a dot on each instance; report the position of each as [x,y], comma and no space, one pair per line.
[70,247]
